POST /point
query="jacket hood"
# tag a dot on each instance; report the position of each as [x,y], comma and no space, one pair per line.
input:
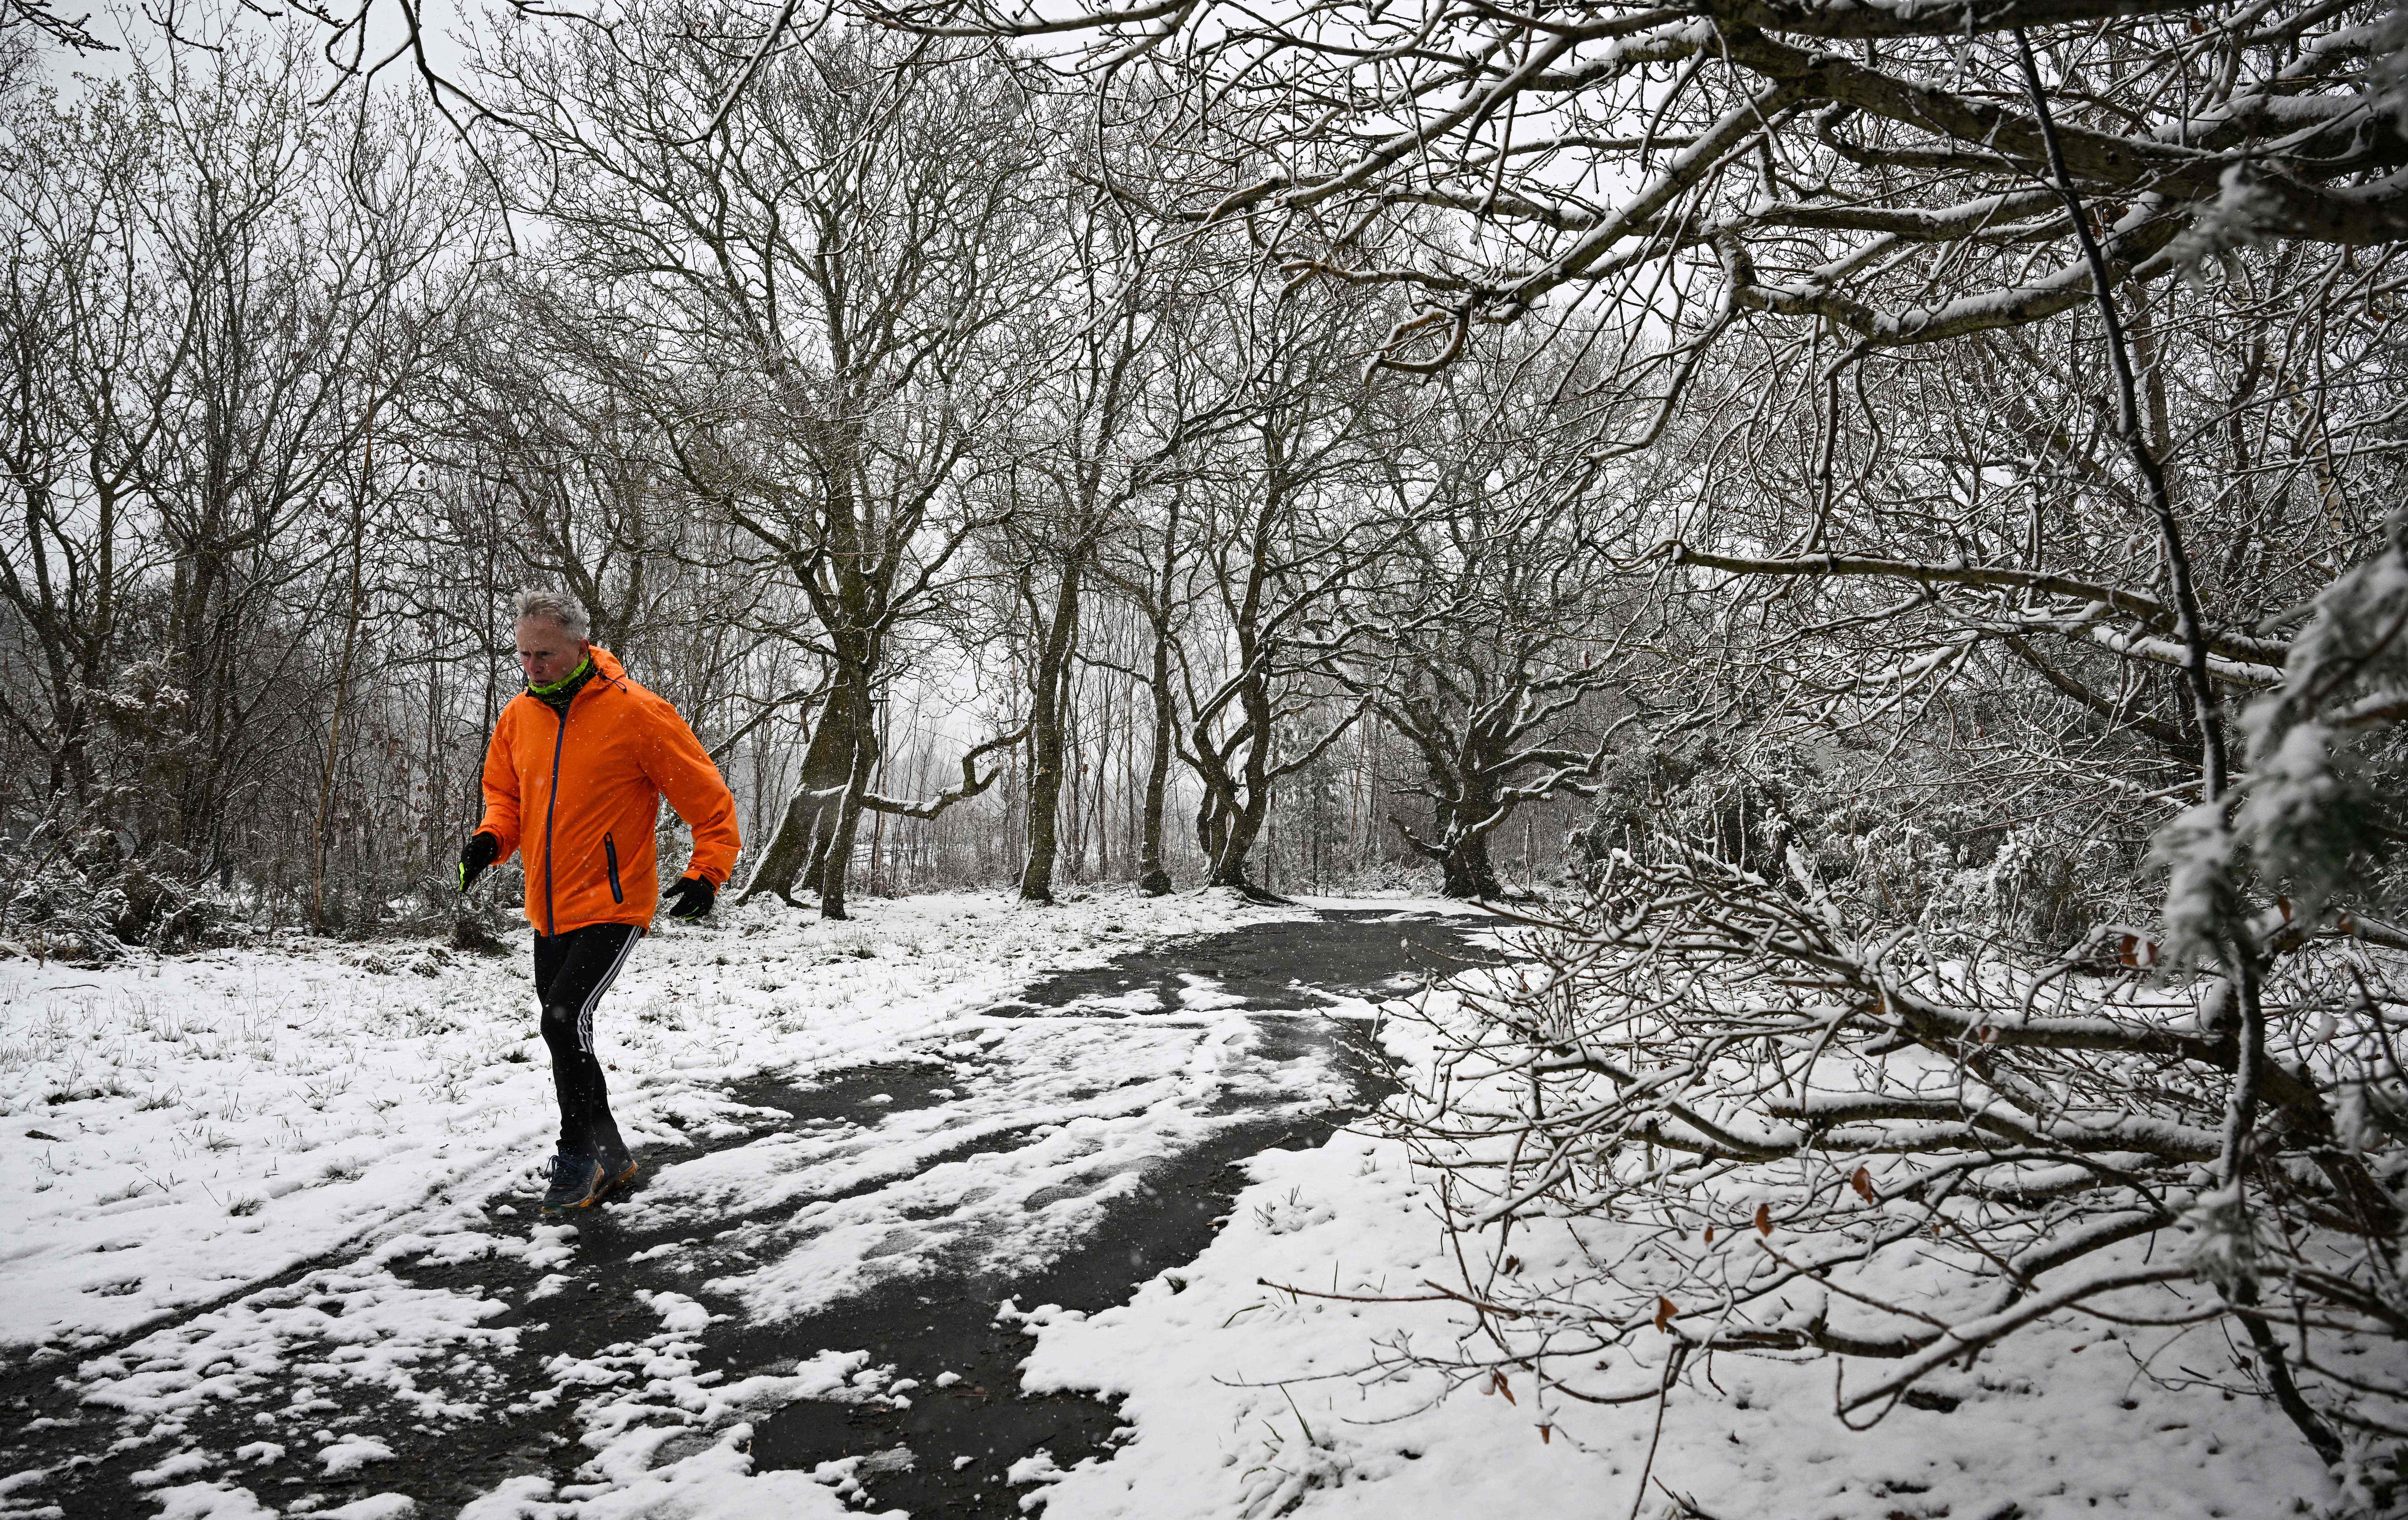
[606,668]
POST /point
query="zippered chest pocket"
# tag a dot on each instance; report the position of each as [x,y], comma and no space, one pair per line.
[611,860]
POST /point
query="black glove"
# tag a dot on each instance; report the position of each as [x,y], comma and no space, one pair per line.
[480,850]
[691,898]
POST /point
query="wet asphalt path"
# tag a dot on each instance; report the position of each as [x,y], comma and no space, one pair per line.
[487,1405]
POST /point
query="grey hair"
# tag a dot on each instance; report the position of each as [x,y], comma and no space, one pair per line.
[535,602]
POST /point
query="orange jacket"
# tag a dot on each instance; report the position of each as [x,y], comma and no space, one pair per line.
[578,798]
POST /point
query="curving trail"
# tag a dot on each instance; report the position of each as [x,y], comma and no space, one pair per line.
[822,1282]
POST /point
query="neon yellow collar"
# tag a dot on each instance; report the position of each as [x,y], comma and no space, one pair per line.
[584,668]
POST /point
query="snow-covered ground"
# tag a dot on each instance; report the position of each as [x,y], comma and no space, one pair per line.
[1246,1401]
[1250,1401]
[175,1128]
[354,1125]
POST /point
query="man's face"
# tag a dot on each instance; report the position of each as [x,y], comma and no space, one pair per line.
[547,651]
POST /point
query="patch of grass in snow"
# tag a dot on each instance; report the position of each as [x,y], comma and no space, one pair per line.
[853,943]
[110,1088]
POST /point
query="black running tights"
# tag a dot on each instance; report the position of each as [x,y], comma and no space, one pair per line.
[571,972]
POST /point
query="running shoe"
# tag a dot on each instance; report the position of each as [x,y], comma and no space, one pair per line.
[617,1172]
[577,1182]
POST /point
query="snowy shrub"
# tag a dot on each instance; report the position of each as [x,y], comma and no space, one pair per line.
[56,915]
[1948,868]
[1790,1125]
[68,891]
[2330,748]
[1846,1054]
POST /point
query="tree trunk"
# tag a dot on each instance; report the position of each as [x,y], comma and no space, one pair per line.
[1049,683]
[1228,834]
[342,690]
[1044,799]
[1467,871]
[1212,832]
[1152,878]
[798,850]
[835,858]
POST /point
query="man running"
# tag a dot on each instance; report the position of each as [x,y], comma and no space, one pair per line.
[574,776]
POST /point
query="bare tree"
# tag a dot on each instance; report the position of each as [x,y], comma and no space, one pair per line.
[1281,522]
[1876,167]
[824,269]
[1141,564]
[1929,986]
[214,295]
[1121,405]
[1500,619]
[1972,586]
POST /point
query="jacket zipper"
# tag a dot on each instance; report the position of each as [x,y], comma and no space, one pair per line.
[611,858]
[552,801]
